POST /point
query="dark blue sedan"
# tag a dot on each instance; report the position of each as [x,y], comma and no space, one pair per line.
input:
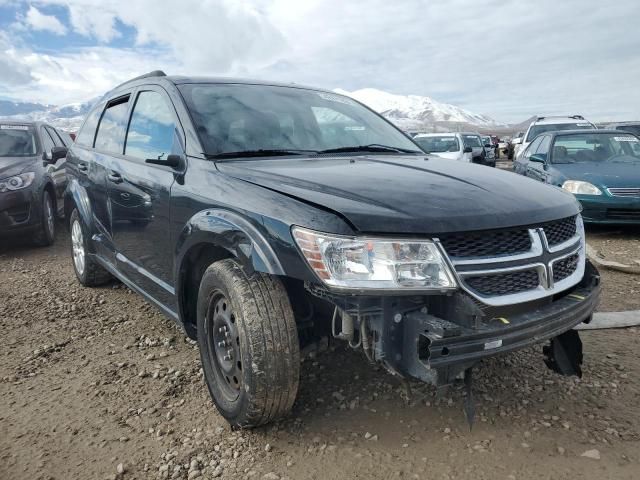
[600,167]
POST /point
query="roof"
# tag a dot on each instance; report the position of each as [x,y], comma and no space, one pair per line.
[583,131]
[159,75]
[29,123]
[559,120]
[423,135]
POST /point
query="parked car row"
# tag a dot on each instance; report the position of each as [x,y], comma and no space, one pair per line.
[464,147]
[32,179]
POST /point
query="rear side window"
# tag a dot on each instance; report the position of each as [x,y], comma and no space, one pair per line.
[55,137]
[110,136]
[88,131]
[47,141]
[152,127]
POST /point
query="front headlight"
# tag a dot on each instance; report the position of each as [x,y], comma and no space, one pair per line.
[374,263]
[578,187]
[17,182]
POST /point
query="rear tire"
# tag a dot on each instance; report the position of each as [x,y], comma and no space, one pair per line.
[248,344]
[88,271]
[46,233]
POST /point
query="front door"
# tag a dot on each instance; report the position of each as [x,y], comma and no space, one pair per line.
[139,196]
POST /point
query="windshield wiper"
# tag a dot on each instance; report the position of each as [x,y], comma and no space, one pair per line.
[373,147]
[258,153]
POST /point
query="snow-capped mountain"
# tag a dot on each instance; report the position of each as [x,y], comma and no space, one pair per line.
[413,112]
[66,117]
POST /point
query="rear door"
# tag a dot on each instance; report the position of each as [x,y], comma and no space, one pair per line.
[139,194]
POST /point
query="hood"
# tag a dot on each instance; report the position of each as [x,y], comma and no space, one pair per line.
[409,194]
[449,155]
[604,174]
[10,166]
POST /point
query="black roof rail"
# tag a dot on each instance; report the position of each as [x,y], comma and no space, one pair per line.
[155,73]
[575,117]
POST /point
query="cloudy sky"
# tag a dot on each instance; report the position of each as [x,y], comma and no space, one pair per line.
[506,59]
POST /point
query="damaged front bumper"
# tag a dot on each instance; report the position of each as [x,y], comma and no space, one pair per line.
[437,339]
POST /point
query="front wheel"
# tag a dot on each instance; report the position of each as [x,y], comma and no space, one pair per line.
[46,233]
[248,344]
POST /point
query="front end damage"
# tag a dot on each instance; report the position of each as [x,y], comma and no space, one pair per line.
[437,338]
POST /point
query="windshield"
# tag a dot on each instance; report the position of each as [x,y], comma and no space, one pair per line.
[635,129]
[596,147]
[554,127]
[472,141]
[249,118]
[17,141]
[486,140]
[438,144]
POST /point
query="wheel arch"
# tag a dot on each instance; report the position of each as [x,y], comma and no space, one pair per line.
[209,236]
[75,196]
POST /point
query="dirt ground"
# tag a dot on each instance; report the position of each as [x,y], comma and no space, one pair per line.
[96,384]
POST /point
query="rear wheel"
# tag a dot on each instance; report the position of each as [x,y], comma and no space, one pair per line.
[88,271]
[46,234]
[248,344]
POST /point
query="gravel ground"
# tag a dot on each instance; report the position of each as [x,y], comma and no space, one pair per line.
[96,384]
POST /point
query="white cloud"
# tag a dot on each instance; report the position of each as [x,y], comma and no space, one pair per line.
[39,21]
[507,59]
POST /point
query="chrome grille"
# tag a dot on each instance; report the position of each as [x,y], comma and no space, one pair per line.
[504,283]
[565,267]
[501,268]
[625,192]
[560,231]
[485,244]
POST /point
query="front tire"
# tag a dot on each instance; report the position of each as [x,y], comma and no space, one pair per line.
[88,271]
[46,233]
[248,344]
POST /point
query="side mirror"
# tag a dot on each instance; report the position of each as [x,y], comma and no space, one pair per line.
[537,158]
[516,141]
[57,153]
[173,161]
[467,150]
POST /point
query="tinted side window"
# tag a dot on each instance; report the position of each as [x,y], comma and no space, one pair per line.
[110,136]
[543,148]
[152,127]
[88,131]
[55,137]
[47,142]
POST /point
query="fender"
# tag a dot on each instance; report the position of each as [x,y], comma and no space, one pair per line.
[76,195]
[234,233]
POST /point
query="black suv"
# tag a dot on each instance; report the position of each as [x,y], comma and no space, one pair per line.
[263,216]
[32,179]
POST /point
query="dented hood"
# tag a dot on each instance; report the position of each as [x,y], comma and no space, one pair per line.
[408,194]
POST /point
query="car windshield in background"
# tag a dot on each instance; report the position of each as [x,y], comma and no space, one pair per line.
[438,144]
[596,147]
[538,129]
[17,141]
[486,140]
[257,120]
[635,129]
[472,141]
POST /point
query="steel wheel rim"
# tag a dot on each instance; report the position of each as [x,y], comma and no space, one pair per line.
[77,246]
[224,345]
[48,212]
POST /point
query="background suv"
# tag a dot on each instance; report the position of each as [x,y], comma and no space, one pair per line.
[550,124]
[261,216]
[32,179]
[445,145]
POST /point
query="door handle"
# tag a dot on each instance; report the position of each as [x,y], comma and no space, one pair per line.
[82,167]
[114,177]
